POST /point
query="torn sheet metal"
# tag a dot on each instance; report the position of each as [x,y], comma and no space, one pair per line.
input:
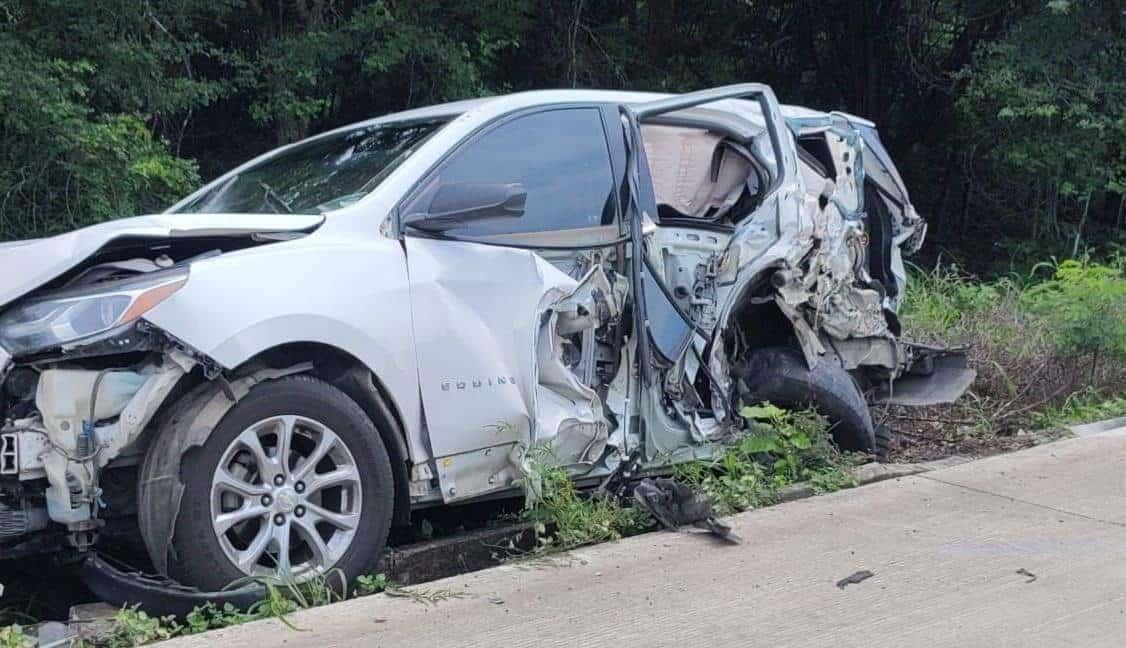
[476,318]
[38,261]
[495,375]
[570,417]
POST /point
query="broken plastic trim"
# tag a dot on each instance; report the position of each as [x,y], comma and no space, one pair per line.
[159,487]
[158,596]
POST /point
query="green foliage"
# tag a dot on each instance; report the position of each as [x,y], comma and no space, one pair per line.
[566,518]
[213,82]
[1083,407]
[277,604]
[209,617]
[1084,305]
[796,445]
[12,636]
[133,627]
[368,584]
[780,448]
[284,596]
[1048,350]
[732,481]
[118,169]
[1051,95]
[61,165]
[937,302]
[298,78]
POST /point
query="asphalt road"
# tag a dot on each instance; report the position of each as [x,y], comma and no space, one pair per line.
[1026,549]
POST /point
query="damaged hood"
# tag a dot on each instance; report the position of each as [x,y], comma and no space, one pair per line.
[27,265]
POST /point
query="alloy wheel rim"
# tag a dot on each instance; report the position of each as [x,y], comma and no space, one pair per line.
[285,498]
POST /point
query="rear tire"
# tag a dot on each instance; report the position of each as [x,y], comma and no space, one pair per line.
[780,375]
[335,482]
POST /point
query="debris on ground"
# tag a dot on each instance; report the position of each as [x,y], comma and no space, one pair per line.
[855,577]
[928,434]
[675,506]
[1030,577]
[426,596]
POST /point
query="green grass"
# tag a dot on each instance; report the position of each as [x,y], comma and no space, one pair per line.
[780,448]
[1049,345]
[13,636]
[369,584]
[565,518]
[1079,408]
[284,596]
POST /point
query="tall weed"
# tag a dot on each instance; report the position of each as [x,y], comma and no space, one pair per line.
[1035,339]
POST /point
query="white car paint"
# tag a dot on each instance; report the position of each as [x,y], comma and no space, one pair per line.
[348,292]
[27,265]
[465,338]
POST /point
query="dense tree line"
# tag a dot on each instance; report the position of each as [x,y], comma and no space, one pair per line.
[1007,117]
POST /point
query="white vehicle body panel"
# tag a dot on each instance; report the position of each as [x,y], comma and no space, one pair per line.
[26,265]
[485,362]
[348,293]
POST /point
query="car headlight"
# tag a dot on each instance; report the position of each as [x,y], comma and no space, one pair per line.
[75,315]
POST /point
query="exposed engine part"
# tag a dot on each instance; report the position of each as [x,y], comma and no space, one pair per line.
[88,418]
[572,416]
[9,453]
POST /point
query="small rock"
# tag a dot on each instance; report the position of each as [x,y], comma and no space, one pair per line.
[93,621]
[53,633]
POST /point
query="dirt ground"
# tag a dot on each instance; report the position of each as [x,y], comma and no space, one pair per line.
[933,433]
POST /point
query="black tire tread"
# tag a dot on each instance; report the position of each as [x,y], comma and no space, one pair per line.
[196,558]
[780,375]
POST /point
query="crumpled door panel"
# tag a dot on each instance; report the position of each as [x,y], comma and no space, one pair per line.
[488,323]
[569,414]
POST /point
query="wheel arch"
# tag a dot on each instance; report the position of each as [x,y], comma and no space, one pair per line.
[753,313]
[760,315]
[350,375]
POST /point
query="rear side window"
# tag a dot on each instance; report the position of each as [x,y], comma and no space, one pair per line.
[559,156]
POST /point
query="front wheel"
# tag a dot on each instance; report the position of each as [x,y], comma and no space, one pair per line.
[294,480]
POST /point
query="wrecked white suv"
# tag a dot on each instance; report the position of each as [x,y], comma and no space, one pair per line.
[388,316]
